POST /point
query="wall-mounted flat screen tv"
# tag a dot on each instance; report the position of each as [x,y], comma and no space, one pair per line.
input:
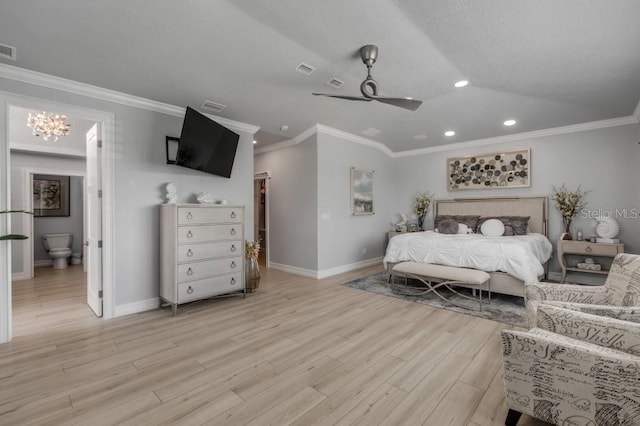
[206,145]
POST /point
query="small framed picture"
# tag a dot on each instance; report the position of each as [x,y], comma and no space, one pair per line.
[50,195]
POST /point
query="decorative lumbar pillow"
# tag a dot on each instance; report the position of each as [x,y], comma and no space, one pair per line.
[448,227]
[492,228]
[513,225]
[463,229]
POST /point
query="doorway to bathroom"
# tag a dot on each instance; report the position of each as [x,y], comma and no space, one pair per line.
[49,160]
[261,215]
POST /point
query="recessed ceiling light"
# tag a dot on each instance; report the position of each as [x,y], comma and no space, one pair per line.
[284,127]
[461,83]
[449,133]
[510,122]
[255,142]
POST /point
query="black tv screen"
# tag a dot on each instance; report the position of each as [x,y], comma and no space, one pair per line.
[206,145]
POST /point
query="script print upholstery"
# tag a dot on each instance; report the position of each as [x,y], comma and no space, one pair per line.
[571,380]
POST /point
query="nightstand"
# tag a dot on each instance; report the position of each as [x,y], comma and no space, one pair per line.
[586,249]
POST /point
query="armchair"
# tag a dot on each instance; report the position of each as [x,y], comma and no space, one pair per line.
[619,297]
[575,368]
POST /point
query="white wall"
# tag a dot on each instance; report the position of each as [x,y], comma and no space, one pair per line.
[293,205]
[141,173]
[342,238]
[602,161]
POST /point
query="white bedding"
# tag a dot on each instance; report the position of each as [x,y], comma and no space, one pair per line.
[521,256]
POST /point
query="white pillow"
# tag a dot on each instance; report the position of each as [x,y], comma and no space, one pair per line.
[463,228]
[492,228]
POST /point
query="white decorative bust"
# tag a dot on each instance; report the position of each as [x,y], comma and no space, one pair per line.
[172,193]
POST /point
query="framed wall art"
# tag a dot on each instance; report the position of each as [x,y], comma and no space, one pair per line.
[361,192]
[50,195]
[494,170]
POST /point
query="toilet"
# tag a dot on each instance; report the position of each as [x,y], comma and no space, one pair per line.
[58,247]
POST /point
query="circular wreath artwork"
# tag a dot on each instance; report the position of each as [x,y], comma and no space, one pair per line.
[497,170]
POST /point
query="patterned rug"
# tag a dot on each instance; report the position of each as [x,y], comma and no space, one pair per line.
[503,308]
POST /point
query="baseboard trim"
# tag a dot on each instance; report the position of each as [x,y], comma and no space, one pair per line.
[18,276]
[326,272]
[137,307]
[348,268]
[39,263]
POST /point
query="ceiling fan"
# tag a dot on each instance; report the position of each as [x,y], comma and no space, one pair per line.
[369,87]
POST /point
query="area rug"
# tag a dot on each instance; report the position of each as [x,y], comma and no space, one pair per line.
[503,308]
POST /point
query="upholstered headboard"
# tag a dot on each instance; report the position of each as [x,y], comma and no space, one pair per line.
[535,207]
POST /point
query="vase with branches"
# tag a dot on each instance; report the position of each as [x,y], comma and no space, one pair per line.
[252,269]
[421,205]
[569,203]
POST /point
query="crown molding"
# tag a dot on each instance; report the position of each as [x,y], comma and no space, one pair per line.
[636,113]
[574,128]
[52,82]
[354,138]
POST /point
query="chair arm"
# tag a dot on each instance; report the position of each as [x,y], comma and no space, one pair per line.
[535,293]
[566,381]
[625,313]
[602,331]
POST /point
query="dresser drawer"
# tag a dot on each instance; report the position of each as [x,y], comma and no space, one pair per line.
[192,252]
[207,268]
[197,234]
[594,249]
[199,289]
[199,215]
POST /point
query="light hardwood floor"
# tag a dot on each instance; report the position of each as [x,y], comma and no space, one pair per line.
[298,351]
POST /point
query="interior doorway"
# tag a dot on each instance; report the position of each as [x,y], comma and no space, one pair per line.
[261,215]
[18,199]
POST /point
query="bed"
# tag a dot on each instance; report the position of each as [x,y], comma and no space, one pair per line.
[511,260]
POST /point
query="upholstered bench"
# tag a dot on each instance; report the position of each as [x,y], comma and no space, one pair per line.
[436,276]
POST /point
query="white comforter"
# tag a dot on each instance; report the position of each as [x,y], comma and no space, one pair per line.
[521,256]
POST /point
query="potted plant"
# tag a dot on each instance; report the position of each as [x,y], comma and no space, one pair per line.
[421,206]
[252,269]
[569,203]
[13,236]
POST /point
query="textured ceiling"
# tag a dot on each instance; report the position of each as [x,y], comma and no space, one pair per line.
[545,63]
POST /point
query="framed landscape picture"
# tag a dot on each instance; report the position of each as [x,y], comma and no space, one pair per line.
[493,170]
[50,195]
[361,192]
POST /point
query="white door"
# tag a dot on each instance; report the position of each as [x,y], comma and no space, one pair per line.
[93,221]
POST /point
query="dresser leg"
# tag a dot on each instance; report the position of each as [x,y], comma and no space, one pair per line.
[174,308]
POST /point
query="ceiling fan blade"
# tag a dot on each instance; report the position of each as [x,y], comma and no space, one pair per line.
[406,103]
[349,98]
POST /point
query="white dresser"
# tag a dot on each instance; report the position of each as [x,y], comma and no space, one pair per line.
[201,252]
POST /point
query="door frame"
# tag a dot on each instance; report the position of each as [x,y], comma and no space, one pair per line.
[28,248]
[266,175]
[107,133]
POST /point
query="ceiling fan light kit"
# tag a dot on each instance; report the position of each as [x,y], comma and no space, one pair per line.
[369,87]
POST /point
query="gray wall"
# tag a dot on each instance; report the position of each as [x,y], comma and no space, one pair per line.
[141,173]
[342,238]
[603,161]
[22,161]
[72,224]
[293,204]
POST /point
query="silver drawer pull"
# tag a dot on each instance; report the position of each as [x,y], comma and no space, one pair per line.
[233,231]
[233,264]
[233,215]
[233,280]
[588,249]
[189,271]
[189,216]
[189,290]
[233,247]
[189,253]
[189,234]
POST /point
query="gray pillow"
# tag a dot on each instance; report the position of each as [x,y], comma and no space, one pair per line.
[470,221]
[448,227]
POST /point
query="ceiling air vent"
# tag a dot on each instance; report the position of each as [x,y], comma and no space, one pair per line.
[305,69]
[335,83]
[7,52]
[212,106]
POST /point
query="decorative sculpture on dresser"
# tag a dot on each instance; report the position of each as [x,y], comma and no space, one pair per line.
[172,194]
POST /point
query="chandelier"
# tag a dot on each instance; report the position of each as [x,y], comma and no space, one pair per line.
[48,125]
